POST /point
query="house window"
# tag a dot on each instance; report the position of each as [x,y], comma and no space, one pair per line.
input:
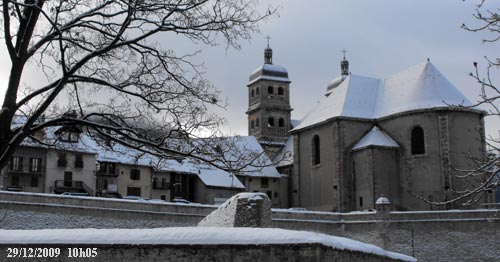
[264,182]
[16,164]
[134,191]
[280,91]
[252,123]
[281,122]
[275,194]
[270,90]
[164,183]
[252,93]
[163,197]
[69,137]
[61,162]
[112,168]
[79,161]
[270,121]
[135,174]
[35,165]
[257,122]
[316,156]
[155,183]
[270,194]
[103,166]
[257,91]
[360,201]
[34,181]
[417,141]
[14,180]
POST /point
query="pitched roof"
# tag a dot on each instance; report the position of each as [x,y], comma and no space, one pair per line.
[219,178]
[376,138]
[419,87]
[354,97]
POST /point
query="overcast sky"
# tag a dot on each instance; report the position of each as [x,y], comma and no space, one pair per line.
[382,38]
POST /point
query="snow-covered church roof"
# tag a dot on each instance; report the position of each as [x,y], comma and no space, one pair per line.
[375,137]
[419,87]
[269,72]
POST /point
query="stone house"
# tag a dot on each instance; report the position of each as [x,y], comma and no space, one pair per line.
[68,165]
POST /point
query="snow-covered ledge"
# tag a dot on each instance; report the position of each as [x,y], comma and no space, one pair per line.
[197,243]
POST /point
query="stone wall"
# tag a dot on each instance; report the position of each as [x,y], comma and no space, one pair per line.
[429,236]
[214,253]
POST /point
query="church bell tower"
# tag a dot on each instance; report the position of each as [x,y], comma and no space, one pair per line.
[269,104]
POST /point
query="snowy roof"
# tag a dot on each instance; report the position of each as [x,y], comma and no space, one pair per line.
[262,166]
[294,122]
[52,141]
[285,156]
[383,201]
[419,87]
[219,178]
[335,83]
[375,137]
[269,72]
[190,236]
[354,97]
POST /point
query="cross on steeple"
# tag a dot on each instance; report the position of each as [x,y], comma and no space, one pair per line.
[268,53]
[344,65]
[344,51]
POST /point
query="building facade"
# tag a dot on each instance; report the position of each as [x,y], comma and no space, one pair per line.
[408,137]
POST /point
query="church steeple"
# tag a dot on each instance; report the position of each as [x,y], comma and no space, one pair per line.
[269,104]
[344,65]
[268,53]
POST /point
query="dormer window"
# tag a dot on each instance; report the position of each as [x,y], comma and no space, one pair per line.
[70,137]
[69,134]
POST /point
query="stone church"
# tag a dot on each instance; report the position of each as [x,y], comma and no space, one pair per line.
[405,137]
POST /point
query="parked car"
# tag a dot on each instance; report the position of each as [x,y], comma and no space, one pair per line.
[110,195]
[74,194]
[137,198]
[180,200]
[297,209]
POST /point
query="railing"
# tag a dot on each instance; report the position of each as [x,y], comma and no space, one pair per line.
[61,186]
[161,185]
[280,131]
[276,97]
[27,170]
[106,173]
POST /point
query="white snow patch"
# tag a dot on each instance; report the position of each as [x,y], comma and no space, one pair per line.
[375,137]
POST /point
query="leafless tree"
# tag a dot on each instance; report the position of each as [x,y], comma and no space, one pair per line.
[484,179]
[103,63]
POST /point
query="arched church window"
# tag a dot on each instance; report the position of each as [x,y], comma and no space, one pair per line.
[270,121]
[316,160]
[252,93]
[417,141]
[270,90]
[252,123]
[257,122]
[280,91]
[281,122]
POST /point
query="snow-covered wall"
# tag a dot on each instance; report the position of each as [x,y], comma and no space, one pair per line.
[429,236]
